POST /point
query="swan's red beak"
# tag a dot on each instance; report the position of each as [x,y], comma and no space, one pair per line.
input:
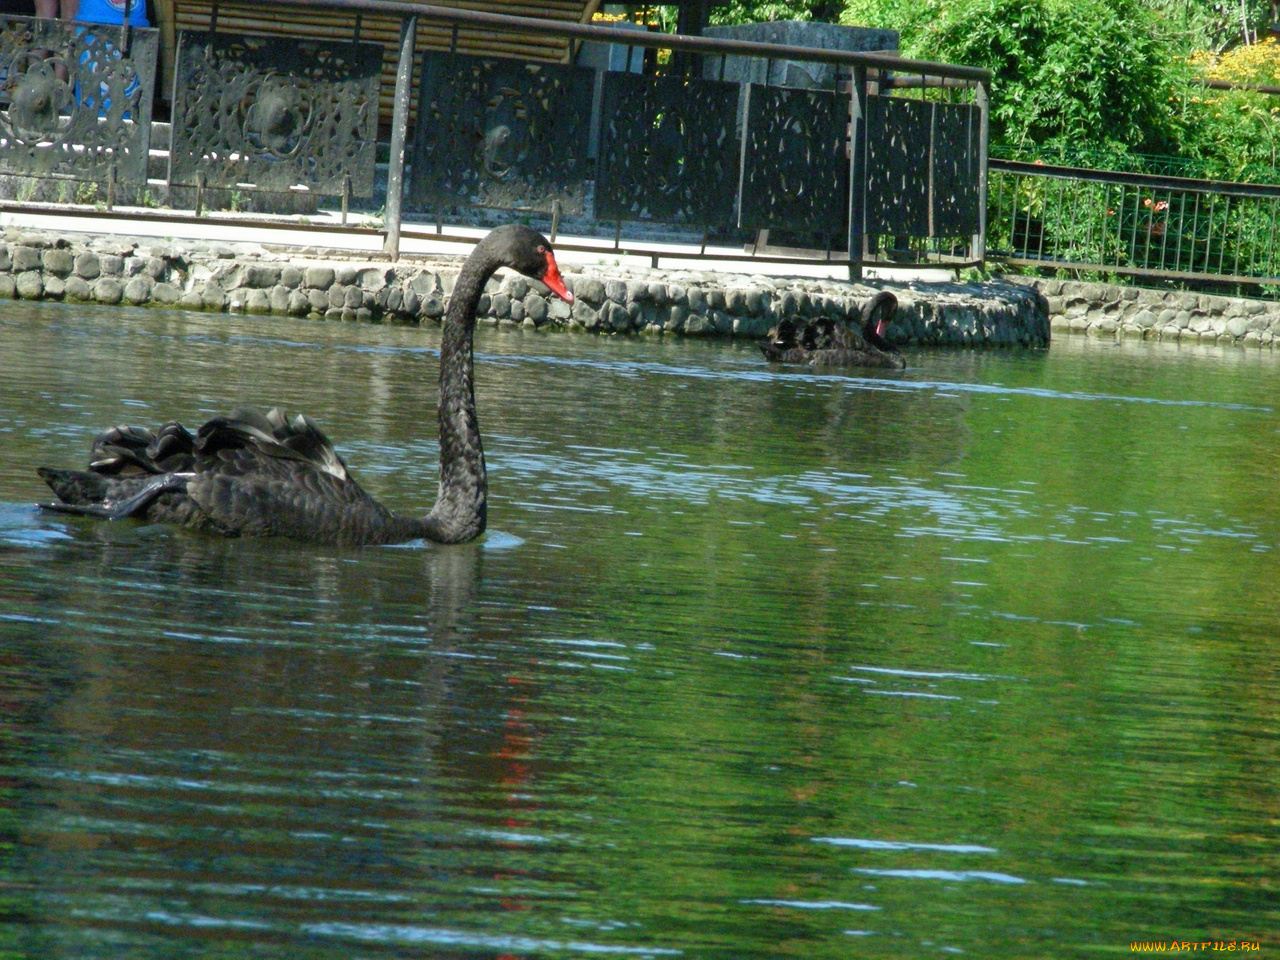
[882,325]
[553,280]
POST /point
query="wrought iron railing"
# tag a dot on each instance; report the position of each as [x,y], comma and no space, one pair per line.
[871,173]
[1167,228]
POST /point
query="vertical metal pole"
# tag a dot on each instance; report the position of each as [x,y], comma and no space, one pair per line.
[399,126]
[978,245]
[555,220]
[857,168]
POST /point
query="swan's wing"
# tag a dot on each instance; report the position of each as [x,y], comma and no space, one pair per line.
[261,475]
[271,435]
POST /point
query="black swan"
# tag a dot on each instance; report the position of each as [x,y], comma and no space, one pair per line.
[823,342]
[255,474]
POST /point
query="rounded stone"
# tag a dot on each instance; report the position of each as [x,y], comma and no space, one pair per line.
[108,290]
[616,290]
[318,299]
[518,287]
[291,277]
[1237,326]
[30,285]
[87,265]
[658,293]
[345,274]
[589,289]
[676,315]
[697,325]
[213,296]
[535,308]
[585,314]
[299,304]
[395,299]
[353,298]
[332,313]
[697,300]
[637,290]
[191,300]
[319,278]
[372,279]
[77,288]
[161,293]
[261,276]
[157,269]
[58,262]
[517,310]
[8,288]
[257,301]
[337,296]
[111,265]
[500,305]
[1145,319]
[615,316]
[432,305]
[138,289]
[54,287]
[279,298]
[25,258]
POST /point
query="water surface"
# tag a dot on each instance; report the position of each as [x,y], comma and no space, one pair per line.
[976,658]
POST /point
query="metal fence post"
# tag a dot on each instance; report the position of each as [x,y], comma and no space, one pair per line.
[978,246]
[399,128]
[857,168]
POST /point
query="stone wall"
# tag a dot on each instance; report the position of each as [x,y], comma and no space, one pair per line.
[247,278]
[1113,312]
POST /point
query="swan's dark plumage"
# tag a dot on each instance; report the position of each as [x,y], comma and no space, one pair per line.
[256,474]
[823,342]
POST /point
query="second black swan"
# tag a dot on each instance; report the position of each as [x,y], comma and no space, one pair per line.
[255,474]
[823,342]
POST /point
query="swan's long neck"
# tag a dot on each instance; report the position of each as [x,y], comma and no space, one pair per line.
[459,513]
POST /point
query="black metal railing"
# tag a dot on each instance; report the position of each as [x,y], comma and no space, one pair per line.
[1167,228]
[887,164]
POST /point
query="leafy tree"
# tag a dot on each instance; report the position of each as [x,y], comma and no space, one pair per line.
[1065,72]
[757,11]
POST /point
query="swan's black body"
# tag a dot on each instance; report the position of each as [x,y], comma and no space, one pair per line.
[254,474]
[823,342]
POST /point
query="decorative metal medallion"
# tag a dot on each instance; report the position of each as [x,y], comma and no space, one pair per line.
[74,102]
[898,161]
[275,112]
[795,166]
[501,133]
[668,150]
[956,176]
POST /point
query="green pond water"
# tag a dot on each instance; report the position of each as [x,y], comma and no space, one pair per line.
[980,658]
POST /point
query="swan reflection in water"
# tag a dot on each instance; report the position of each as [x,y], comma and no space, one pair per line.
[256,474]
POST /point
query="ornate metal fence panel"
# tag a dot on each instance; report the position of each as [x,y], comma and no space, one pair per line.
[75,103]
[275,113]
[795,166]
[954,164]
[669,150]
[898,133]
[922,168]
[501,133]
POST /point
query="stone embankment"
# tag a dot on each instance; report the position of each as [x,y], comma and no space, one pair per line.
[248,278]
[1115,312]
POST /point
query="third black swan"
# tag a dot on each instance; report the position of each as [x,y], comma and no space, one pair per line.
[823,342]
